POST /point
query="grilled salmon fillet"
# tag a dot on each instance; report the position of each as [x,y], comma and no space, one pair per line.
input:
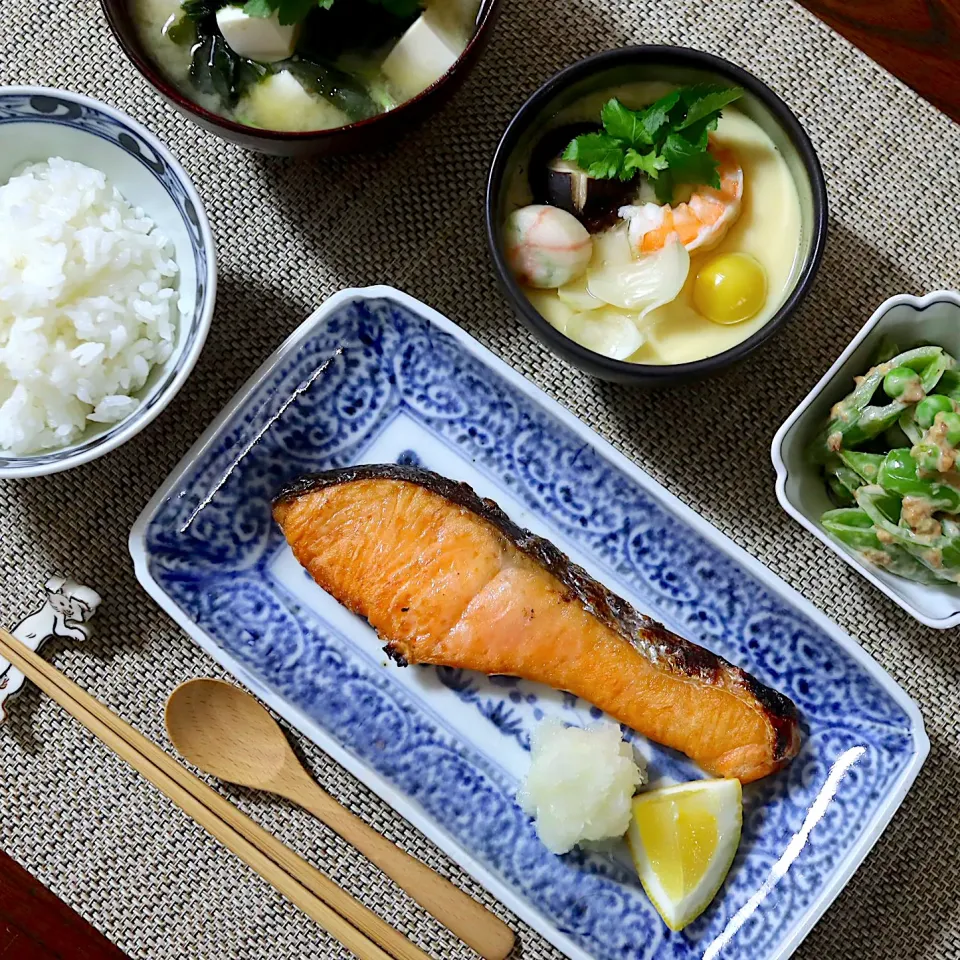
[445,577]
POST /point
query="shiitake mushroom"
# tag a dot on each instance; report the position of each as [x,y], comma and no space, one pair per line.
[561,183]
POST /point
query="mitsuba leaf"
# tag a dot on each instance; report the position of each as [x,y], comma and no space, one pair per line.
[625,124]
[663,187]
[698,133]
[598,153]
[667,141]
[678,150]
[259,8]
[689,164]
[647,163]
[704,99]
[656,116]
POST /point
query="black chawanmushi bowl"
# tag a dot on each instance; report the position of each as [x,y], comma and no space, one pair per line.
[677,65]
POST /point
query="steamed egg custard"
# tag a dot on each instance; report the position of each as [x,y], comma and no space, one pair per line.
[695,234]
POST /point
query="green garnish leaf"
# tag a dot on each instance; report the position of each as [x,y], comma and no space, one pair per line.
[663,187]
[638,128]
[259,8]
[656,116]
[688,163]
[667,141]
[600,154]
[705,99]
[698,133]
[649,164]
[624,124]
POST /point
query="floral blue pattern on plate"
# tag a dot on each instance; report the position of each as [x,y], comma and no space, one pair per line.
[375,376]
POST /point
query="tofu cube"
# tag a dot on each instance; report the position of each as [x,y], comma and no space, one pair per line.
[263,39]
[421,56]
[455,18]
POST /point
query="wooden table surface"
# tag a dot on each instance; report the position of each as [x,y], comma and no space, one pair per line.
[917,40]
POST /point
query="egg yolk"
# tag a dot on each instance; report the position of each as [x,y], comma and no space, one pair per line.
[730,288]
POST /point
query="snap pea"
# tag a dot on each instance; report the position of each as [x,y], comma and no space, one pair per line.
[855,420]
[939,553]
[849,470]
[900,380]
[945,399]
[854,528]
[909,426]
[928,408]
[936,450]
[900,474]
[886,454]
[840,493]
[889,504]
[895,437]
[951,529]
[843,481]
[951,423]
[865,465]
[886,349]
[949,385]
[927,455]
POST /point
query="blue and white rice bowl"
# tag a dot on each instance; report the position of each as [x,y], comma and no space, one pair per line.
[37,124]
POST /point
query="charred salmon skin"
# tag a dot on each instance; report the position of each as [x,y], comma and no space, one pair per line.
[446,578]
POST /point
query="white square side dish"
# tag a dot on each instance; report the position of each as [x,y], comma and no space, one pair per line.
[908,321]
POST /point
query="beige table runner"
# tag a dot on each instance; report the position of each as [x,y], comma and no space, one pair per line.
[291,233]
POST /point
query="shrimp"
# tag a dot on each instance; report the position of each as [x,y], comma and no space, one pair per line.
[546,247]
[700,222]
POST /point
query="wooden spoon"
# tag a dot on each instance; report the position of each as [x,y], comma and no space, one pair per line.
[224,731]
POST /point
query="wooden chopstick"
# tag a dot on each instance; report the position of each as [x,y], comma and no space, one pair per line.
[359,929]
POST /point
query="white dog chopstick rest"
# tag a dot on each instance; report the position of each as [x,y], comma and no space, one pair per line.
[64,614]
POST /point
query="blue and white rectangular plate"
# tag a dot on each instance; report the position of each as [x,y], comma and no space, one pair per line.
[374,376]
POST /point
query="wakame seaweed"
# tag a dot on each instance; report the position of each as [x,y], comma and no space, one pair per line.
[216,70]
[352,24]
[344,91]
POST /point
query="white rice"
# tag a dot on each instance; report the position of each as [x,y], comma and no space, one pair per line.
[88,304]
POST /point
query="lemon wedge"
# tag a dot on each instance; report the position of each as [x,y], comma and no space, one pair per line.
[683,840]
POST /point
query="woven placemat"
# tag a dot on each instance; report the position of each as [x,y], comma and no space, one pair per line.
[291,233]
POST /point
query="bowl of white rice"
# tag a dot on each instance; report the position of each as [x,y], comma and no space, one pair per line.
[107,279]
